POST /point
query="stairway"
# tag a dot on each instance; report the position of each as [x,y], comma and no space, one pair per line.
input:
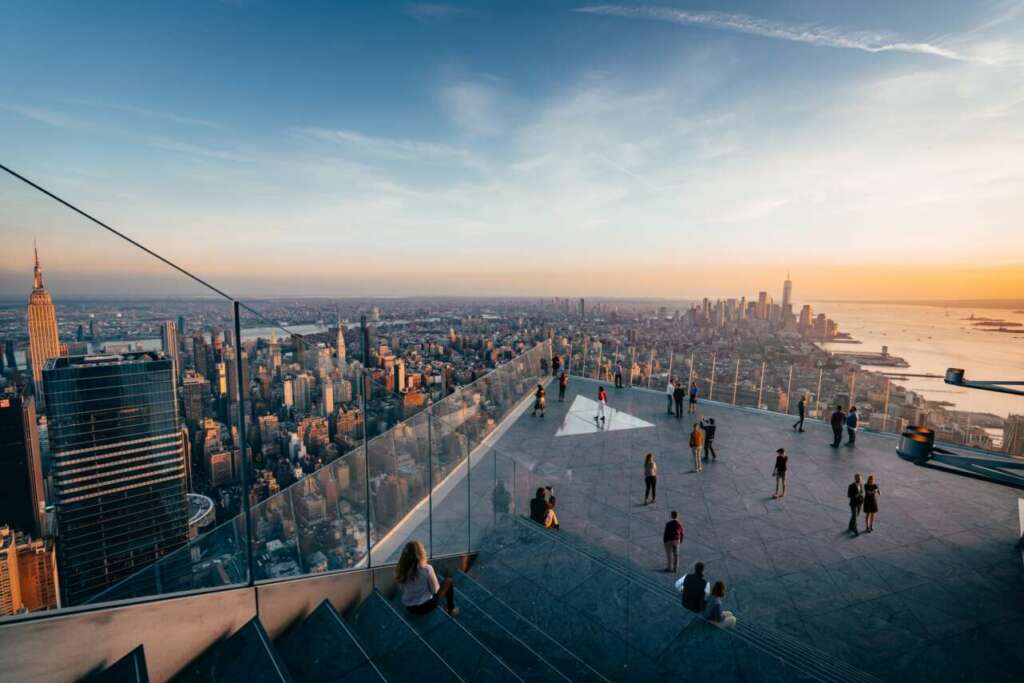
[537,605]
[787,654]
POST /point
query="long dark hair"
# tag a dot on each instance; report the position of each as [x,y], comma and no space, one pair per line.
[413,555]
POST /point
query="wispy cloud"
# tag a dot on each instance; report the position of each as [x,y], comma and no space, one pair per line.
[395,148]
[145,112]
[59,119]
[810,34]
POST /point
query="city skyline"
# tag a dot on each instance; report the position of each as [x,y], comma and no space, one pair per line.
[668,144]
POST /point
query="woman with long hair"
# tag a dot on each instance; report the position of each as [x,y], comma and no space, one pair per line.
[650,478]
[539,400]
[871,494]
[421,591]
[714,611]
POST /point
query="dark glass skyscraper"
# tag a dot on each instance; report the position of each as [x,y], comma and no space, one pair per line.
[22,500]
[118,467]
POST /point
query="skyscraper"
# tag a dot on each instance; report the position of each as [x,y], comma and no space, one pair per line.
[201,354]
[43,340]
[118,467]
[762,305]
[10,586]
[340,343]
[172,348]
[1013,436]
[22,497]
[787,295]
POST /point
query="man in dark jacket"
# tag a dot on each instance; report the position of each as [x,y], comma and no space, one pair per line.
[855,492]
[801,408]
[837,422]
[673,538]
[695,589]
[678,394]
[708,425]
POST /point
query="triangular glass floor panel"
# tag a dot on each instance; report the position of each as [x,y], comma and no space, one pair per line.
[584,417]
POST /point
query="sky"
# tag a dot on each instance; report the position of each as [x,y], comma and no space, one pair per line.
[669,149]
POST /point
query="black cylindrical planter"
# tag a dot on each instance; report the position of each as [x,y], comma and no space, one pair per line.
[916,444]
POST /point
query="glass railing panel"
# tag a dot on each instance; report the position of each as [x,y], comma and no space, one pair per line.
[128,357]
[275,539]
[450,447]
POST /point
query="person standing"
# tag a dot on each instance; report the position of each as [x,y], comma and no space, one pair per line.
[539,401]
[855,492]
[697,444]
[871,494]
[563,382]
[851,425]
[695,589]
[602,403]
[801,408]
[650,478]
[672,538]
[556,363]
[694,390]
[618,374]
[678,395]
[708,425]
[779,472]
[670,390]
[837,421]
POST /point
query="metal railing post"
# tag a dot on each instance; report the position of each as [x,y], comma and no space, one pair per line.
[736,382]
[711,387]
[760,387]
[243,446]
[789,388]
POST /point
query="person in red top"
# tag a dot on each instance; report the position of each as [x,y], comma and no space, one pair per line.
[673,538]
[602,401]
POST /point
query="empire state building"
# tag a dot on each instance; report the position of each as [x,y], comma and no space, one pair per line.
[43,342]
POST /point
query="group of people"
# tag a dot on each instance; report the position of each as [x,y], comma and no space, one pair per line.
[701,596]
[676,393]
[839,420]
[542,508]
[863,498]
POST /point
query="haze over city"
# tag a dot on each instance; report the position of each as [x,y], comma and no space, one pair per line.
[665,150]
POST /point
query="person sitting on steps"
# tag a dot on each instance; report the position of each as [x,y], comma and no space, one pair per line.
[542,508]
[421,591]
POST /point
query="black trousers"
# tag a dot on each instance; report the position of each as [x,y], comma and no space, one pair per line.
[852,433]
[837,436]
[854,514]
[799,424]
[709,448]
[447,591]
[561,393]
[650,487]
[679,407]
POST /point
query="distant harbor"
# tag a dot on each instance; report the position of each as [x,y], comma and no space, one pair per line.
[880,359]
